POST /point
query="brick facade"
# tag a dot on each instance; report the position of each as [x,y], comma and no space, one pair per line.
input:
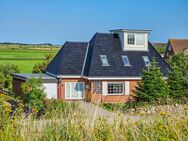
[89,93]
[17,86]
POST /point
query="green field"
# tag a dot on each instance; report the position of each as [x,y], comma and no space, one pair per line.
[25,56]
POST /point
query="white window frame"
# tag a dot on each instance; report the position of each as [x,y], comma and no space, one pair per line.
[116,83]
[70,83]
[124,63]
[135,40]
[102,60]
[144,58]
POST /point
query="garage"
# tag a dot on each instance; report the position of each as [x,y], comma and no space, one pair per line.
[49,83]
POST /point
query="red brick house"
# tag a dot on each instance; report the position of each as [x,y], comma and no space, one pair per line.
[175,46]
[105,69]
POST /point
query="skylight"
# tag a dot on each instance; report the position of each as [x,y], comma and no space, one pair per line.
[146,60]
[104,60]
[126,61]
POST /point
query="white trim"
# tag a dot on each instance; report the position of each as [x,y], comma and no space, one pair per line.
[52,74]
[114,78]
[21,78]
[127,88]
[70,76]
[85,59]
[104,88]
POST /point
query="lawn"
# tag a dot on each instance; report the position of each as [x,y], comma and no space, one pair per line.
[25,56]
[25,66]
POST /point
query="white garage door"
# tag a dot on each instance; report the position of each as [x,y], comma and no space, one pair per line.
[51,90]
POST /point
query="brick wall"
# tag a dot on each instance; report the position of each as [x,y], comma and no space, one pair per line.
[17,86]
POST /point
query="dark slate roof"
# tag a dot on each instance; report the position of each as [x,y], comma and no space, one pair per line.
[109,45]
[69,60]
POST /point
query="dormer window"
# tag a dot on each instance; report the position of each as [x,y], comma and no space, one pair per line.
[131,39]
[126,61]
[104,60]
[146,60]
[135,39]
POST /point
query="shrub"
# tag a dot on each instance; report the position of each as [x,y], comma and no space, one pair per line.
[5,75]
[33,94]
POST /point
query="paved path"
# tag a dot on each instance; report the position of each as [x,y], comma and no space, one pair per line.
[94,111]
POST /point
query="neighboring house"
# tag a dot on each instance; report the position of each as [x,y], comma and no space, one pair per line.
[105,69]
[175,46]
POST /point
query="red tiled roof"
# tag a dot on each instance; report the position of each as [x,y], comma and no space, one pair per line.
[179,45]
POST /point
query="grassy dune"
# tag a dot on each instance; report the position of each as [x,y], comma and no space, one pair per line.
[73,124]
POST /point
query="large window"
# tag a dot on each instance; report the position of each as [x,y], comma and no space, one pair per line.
[115,88]
[146,60]
[126,61]
[74,90]
[97,87]
[104,60]
[137,39]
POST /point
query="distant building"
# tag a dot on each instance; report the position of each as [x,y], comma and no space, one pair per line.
[175,46]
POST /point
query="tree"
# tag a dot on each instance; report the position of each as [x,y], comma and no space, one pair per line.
[40,67]
[181,61]
[178,76]
[33,93]
[5,75]
[177,83]
[152,86]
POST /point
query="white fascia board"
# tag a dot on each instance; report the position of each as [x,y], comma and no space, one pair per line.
[52,74]
[114,78]
[21,78]
[70,76]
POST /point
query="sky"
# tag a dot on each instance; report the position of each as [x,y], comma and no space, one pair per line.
[57,21]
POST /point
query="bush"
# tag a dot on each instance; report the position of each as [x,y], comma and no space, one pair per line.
[5,75]
[33,94]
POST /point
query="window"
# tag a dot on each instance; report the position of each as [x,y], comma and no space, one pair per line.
[126,61]
[97,87]
[104,60]
[146,60]
[140,39]
[115,88]
[137,39]
[131,39]
[74,90]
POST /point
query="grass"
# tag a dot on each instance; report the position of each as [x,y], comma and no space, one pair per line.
[25,66]
[73,124]
[25,56]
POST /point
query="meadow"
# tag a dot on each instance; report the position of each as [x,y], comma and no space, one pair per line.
[25,56]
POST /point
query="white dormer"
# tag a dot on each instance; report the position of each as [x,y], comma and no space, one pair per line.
[133,40]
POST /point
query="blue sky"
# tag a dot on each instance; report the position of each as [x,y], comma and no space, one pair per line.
[56,21]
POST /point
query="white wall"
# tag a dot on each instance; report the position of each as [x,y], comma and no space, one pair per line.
[126,47]
[51,90]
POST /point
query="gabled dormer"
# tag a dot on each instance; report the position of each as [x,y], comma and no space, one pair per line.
[133,40]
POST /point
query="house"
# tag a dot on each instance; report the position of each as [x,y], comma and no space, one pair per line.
[105,69]
[175,46]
